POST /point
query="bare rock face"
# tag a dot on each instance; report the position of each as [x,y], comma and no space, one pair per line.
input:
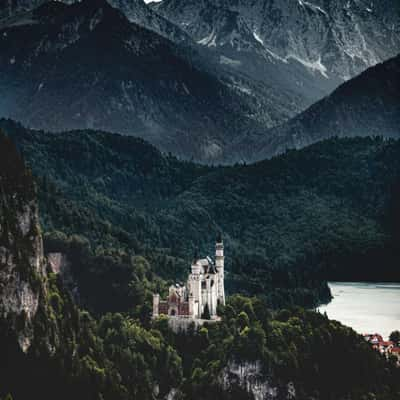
[22,266]
[336,39]
[59,264]
[249,376]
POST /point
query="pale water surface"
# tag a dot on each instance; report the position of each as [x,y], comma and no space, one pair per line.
[365,307]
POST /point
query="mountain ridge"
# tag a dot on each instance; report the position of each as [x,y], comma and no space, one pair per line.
[139,83]
[340,33]
[367,105]
[200,101]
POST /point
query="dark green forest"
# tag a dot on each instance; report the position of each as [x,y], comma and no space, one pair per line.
[117,357]
[329,211]
[115,351]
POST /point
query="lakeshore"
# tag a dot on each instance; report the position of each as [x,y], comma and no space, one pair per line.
[366,307]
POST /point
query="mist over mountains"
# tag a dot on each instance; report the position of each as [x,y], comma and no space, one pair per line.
[368,105]
[85,65]
[214,81]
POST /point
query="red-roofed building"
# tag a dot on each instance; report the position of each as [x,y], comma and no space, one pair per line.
[395,351]
[373,338]
[386,347]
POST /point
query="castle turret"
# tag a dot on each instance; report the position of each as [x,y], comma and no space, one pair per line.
[192,313]
[194,283]
[219,264]
[156,304]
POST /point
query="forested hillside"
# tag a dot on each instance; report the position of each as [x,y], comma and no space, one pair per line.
[60,351]
[49,348]
[366,105]
[329,211]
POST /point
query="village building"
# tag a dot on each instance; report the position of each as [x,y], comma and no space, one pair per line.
[373,338]
[395,352]
[385,347]
[198,299]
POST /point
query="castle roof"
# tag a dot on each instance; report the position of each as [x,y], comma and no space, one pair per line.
[396,350]
[207,265]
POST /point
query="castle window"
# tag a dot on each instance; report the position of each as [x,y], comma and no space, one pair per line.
[212,283]
[203,285]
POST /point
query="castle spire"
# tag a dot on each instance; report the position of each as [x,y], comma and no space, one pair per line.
[219,264]
[196,254]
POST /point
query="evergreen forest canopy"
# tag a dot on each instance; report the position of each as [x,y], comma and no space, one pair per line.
[119,355]
[117,358]
[126,213]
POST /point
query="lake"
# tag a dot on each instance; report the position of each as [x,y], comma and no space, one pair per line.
[365,307]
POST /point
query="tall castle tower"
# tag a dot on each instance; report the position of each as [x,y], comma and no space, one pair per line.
[219,264]
[197,300]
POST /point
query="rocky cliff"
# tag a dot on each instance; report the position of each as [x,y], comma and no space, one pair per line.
[22,265]
[335,39]
[250,378]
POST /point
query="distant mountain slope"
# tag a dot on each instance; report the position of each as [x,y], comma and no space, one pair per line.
[364,106]
[86,66]
[226,35]
[281,89]
[138,12]
[203,80]
[335,39]
[328,210]
[135,10]
[9,8]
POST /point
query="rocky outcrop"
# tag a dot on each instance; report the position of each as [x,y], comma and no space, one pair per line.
[130,80]
[60,265]
[334,39]
[22,264]
[250,377]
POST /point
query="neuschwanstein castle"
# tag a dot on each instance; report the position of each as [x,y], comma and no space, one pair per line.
[204,290]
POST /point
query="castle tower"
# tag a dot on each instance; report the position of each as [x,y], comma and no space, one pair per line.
[194,283]
[191,306]
[156,303]
[219,263]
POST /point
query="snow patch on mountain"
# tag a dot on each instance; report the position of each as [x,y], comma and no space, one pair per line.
[241,88]
[312,65]
[210,40]
[312,6]
[259,40]
[229,61]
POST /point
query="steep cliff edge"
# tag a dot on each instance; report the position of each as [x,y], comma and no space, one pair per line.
[48,347]
[38,321]
[22,266]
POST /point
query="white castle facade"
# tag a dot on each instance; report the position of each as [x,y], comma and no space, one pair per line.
[204,290]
